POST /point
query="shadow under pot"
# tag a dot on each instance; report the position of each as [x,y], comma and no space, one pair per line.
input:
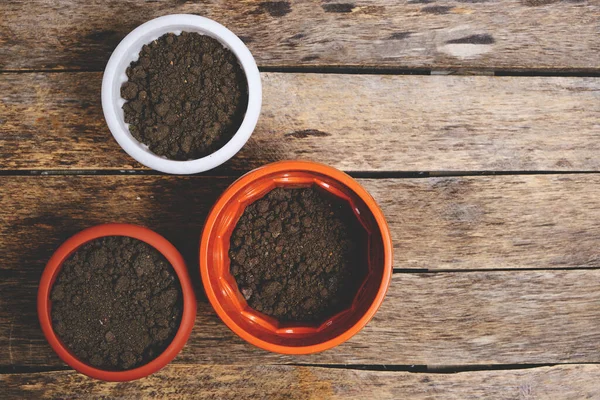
[296,257]
[116,303]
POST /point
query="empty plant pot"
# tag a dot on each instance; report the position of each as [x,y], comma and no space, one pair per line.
[262,330]
[159,253]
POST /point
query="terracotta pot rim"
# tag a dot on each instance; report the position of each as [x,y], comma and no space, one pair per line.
[137,232]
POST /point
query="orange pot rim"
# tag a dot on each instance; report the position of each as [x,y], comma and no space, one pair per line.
[167,250]
[304,166]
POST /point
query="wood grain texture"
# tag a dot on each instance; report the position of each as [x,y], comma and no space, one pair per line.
[499,34]
[352,122]
[478,317]
[475,318]
[295,382]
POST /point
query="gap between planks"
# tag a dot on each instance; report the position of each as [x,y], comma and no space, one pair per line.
[224,173]
[416,369]
[369,71]
[305,382]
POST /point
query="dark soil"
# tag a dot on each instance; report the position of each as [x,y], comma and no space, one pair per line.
[297,255]
[116,303]
[186,96]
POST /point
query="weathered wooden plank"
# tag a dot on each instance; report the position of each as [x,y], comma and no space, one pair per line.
[352,122]
[492,317]
[470,223]
[478,317]
[299,382]
[500,34]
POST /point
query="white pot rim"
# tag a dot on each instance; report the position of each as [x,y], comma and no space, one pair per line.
[128,50]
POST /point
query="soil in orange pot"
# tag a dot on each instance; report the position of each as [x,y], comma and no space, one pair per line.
[116,303]
[298,255]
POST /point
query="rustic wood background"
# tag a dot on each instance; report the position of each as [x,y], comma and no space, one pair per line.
[475,125]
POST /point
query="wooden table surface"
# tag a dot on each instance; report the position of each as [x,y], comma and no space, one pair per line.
[475,125]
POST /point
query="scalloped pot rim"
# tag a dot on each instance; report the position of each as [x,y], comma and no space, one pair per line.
[225,298]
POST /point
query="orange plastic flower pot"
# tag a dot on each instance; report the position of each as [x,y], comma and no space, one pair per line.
[44,304]
[262,330]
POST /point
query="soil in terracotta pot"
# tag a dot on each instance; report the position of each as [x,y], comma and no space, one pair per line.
[186,96]
[298,255]
[116,303]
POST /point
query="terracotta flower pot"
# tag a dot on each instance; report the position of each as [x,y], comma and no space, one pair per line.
[53,267]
